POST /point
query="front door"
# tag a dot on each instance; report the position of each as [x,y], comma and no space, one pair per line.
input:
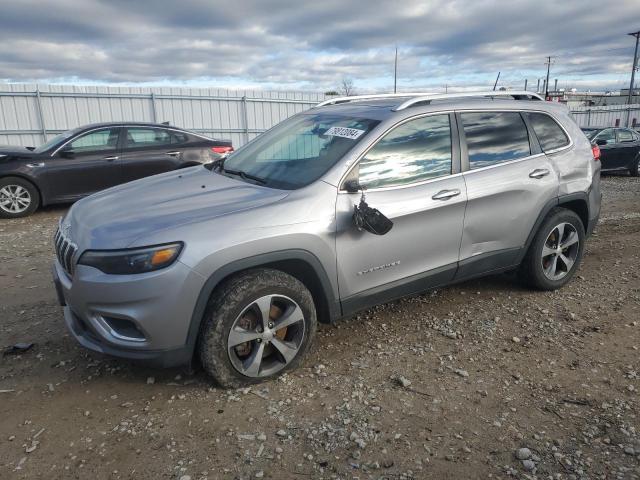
[86,164]
[608,151]
[410,175]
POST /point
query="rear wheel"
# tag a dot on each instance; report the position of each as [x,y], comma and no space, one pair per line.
[18,197]
[556,251]
[258,325]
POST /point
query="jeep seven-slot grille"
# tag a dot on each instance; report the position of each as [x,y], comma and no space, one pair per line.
[65,251]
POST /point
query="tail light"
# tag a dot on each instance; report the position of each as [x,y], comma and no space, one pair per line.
[595,149]
[222,150]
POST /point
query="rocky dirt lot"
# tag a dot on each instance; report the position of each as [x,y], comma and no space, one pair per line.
[481,380]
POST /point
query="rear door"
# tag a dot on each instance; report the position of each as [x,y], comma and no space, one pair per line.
[608,150]
[509,181]
[148,151]
[412,176]
[86,164]
[627,147]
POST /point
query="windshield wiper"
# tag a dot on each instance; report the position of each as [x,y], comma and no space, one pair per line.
[244,175]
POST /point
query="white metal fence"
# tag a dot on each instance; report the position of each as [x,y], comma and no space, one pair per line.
[30,114]
[608,116]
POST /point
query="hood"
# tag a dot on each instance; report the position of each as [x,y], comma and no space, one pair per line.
[14,151]
[117,217]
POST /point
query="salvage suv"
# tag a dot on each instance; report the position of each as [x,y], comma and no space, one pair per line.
[356,202]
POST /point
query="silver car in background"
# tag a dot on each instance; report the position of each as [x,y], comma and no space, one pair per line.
[356,202]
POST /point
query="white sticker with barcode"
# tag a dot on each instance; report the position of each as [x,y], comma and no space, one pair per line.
[344,132]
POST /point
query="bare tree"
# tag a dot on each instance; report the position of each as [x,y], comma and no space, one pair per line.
[346,87]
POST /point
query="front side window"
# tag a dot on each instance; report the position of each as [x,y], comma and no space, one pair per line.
[549,133]
[625,136]
[495,137]
[298,151]
[147,137]
[415,151]
[608,135]
[96,141]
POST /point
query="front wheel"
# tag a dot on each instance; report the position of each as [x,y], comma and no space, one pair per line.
[257,325]
[556,251]
[18,197]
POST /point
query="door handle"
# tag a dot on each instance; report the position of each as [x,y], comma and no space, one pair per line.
[173,154]
[111,158]
[446,194]
[539,173]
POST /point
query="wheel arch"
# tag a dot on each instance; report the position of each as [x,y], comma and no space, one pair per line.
[300,264]
[576,202]
[31,181]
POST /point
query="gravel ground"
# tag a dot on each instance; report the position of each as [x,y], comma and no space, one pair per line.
[481,380]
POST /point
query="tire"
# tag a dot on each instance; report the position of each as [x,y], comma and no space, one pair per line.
[18,197]
[539,270]
[234,312]
[634,171]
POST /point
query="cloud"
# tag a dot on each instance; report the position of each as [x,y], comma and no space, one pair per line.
[312,45]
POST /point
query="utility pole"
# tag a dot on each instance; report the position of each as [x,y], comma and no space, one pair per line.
[395,72]
[538,87]
[633,74]
[546,90]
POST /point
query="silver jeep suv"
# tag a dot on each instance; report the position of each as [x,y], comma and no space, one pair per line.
[356,202]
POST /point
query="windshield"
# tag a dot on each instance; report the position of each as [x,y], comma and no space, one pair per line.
[298,151]
[58,139]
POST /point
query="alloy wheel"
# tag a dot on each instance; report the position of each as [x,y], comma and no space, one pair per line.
[266,336]
[560,251]
[14,199]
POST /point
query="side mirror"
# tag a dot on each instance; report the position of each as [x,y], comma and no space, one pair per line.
[370,219]
[67,152]
[352,186]
[601,141]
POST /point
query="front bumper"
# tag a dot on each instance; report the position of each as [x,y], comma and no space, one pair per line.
[140,317]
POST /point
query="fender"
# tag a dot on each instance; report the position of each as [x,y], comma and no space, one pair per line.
[333,304]
[555,202]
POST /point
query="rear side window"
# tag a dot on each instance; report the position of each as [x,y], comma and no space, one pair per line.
[495,137]
[625,136]
[415,151]
[147,137]
[549,133]
[179,137]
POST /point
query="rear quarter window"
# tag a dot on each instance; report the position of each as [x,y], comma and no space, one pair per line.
[550,135]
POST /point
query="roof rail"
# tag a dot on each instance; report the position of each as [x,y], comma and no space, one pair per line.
[353,98]
[515,94]
[414,98]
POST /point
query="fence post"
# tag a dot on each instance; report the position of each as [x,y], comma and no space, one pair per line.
[245,118]
[589,118]
[40,115]
[153,107]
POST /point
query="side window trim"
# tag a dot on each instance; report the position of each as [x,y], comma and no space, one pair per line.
[534,143]
[456,145]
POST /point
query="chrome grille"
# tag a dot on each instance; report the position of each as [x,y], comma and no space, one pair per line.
[65,252]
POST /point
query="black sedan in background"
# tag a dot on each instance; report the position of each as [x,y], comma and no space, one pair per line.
[91,158]
[619,148]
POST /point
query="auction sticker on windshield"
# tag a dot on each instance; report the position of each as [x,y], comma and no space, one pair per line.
[344,132]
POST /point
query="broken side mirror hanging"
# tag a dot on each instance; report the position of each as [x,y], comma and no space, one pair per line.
[365,217]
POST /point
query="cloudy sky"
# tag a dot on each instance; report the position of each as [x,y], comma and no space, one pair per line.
[313,45]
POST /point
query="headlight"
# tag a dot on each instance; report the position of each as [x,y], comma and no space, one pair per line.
[130,261]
